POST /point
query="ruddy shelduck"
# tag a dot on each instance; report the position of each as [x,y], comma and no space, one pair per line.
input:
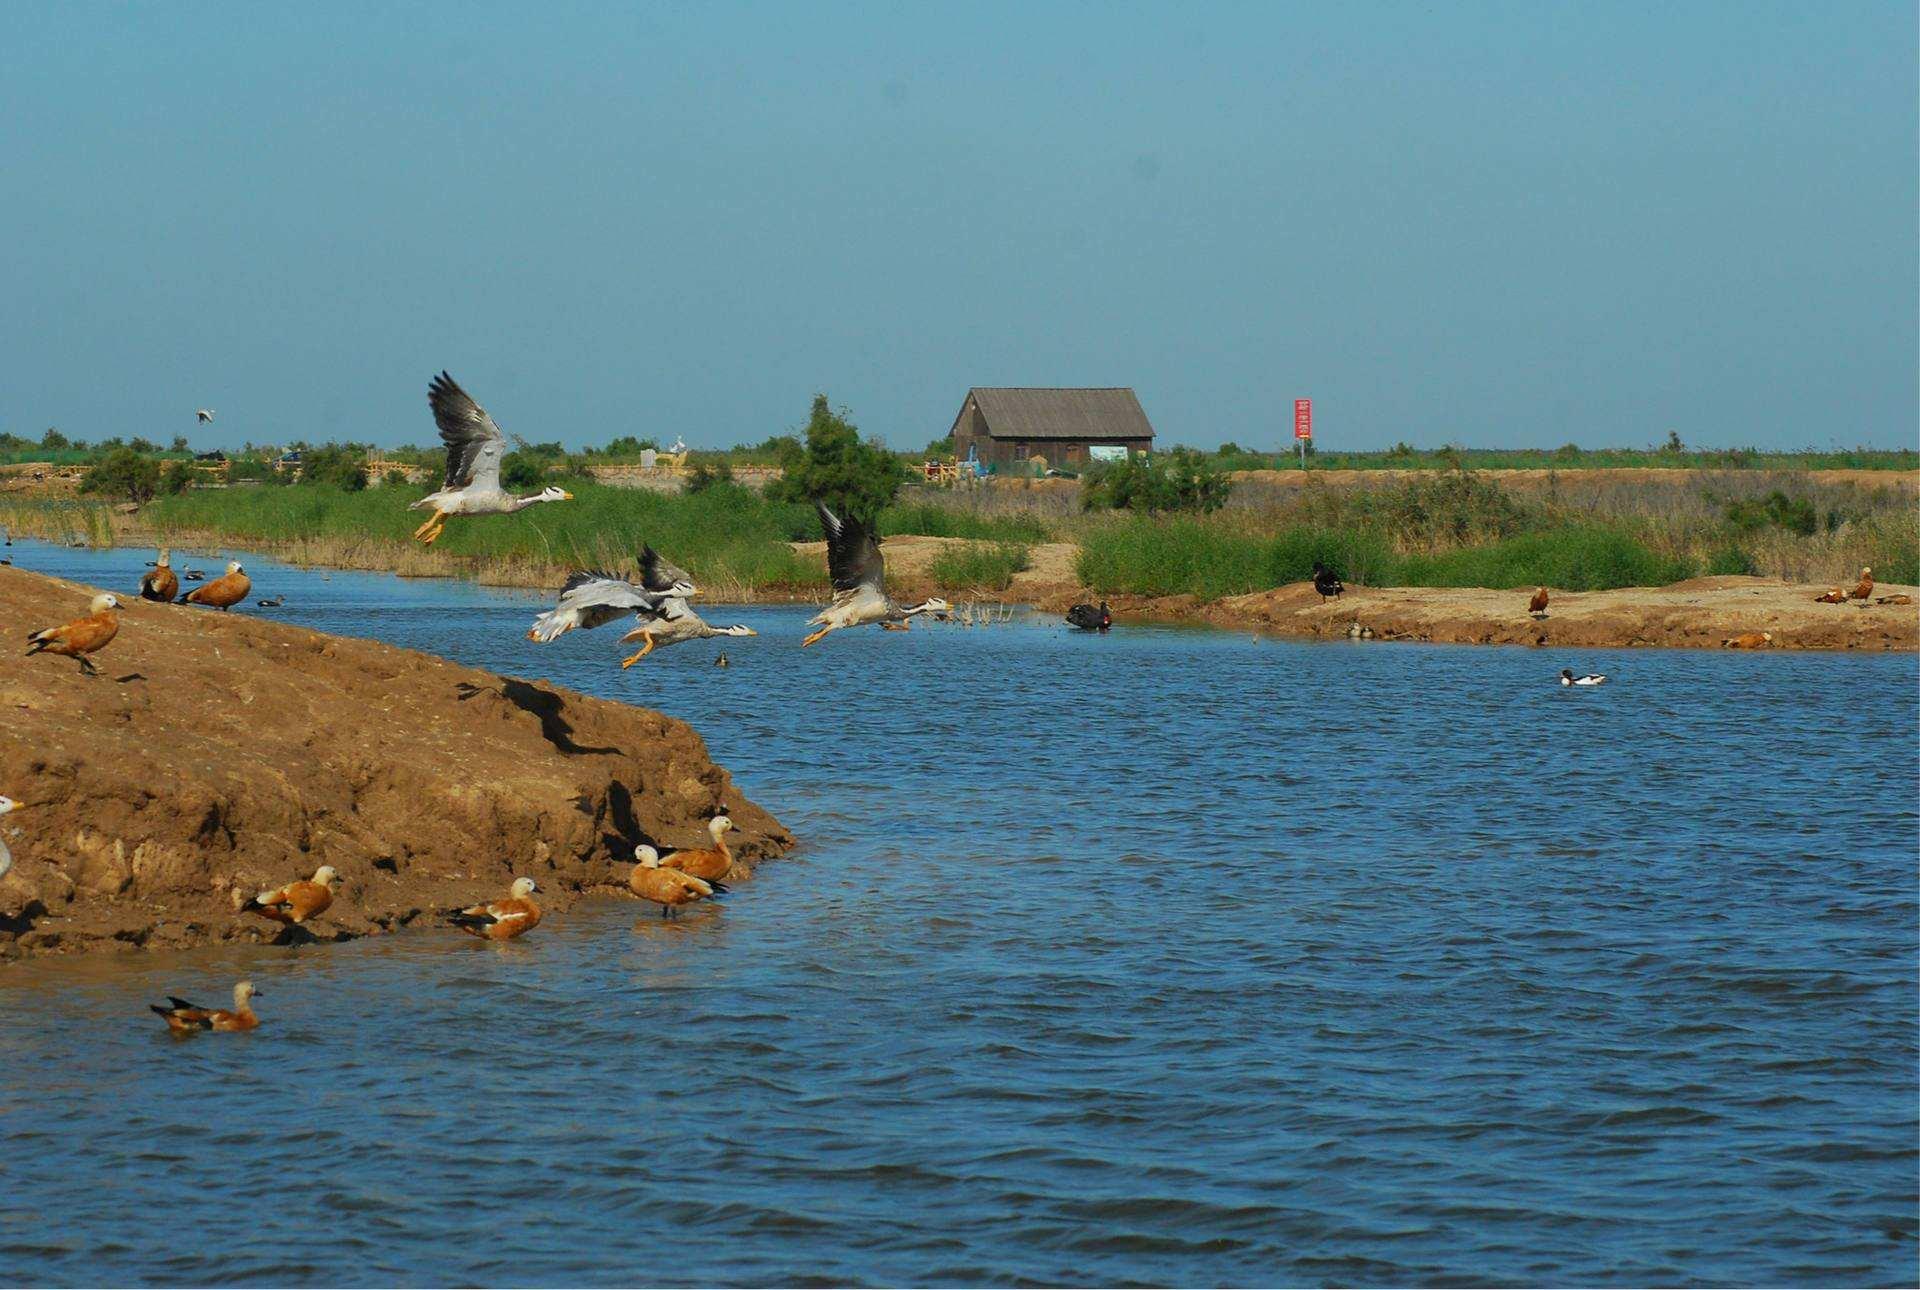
[160,583]
[709,864]
[82,636]
[185,1018]
[224,592]
[1897,598]
[298,901]
[1833,596]
[667,888]
[1538,605]
[1749,640]
[1864,587]
[501,920]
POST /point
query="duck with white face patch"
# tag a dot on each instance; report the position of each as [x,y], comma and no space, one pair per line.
[501,920]
[668,888]
[185,1018]
[83,636]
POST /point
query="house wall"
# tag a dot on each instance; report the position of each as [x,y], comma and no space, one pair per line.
[1068,454]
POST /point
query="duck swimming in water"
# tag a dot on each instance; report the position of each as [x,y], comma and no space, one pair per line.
[1592,678]
[1325,583]
[1089,619]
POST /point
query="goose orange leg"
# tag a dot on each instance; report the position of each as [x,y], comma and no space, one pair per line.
[644,651]
[814,637]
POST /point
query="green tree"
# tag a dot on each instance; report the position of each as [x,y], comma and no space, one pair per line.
[628,446]
[342,465]
[941,447]
[54,441]
[147,446]
[177,478]
[179,444]
[523,470]
[123,473]
[853,476]
[704,476]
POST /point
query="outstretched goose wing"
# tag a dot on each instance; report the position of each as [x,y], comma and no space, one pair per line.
[593,599]
[474,443]
[657,574]
[853,552]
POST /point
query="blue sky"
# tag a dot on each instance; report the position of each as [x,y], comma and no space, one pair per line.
[1501,224]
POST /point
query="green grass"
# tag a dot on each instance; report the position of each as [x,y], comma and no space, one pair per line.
[1210,560]
[980,568]
[724,536]
[59,520]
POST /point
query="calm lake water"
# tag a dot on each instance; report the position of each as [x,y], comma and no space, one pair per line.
[1170,956]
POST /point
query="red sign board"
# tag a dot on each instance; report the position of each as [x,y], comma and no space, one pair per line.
[1303,418]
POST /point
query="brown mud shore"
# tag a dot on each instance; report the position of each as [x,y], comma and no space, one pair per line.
[1698,613]
[221,753]
[1701,613]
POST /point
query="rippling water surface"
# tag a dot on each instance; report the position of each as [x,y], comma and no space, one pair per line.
[1170,956]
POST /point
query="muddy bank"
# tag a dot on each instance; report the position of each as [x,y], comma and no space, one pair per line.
[1698,613]
[221,752]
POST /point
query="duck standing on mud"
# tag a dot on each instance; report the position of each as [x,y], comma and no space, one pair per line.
[160,583]
[667,888]
[475,446]
[82,636]
[224,592]
[1089,619]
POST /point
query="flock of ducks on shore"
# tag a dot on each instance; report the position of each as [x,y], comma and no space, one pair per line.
[674,882]
[1862,592]
[659,605]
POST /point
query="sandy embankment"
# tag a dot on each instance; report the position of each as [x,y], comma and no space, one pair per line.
[1698,613]
[221,752]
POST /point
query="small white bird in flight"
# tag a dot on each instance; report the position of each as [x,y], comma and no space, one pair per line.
[204,416]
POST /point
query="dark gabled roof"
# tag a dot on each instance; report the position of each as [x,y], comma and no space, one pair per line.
[1060,414]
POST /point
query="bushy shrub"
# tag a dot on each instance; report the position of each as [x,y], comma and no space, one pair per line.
[523,471]
[1730,559]
[1446,509]
[704,476]
[849,474]
[1796,515]
[342,465]
[1181,480]
[178,477]
[256,470]
[123,473]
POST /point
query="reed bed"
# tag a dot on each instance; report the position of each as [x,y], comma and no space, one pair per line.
[1464,529]
[65,520]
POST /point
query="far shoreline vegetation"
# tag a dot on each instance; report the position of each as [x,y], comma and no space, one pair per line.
[1184,524]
